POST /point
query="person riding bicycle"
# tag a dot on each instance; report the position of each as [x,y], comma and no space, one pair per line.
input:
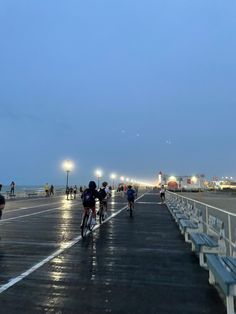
[104,193]
[131,193]
[89,196]
[162,193]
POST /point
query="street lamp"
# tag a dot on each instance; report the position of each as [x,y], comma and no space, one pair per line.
[98,173]
[113,176]
[67,166]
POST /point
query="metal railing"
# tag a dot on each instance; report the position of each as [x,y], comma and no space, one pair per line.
[216,221]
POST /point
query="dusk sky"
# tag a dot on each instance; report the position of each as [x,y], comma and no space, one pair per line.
[130,86]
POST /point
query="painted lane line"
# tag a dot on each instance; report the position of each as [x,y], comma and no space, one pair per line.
[65,247]
[33,214]
[25,208]
[28,215]
[155,203]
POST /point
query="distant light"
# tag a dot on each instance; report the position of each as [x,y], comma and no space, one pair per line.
[122,178]
[172,178]
[98,173]
[194,179]
[113,176]
[127,179]
[68,165]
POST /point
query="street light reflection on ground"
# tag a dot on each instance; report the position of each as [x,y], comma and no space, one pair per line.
[98,173]
[67,166]
[113,177]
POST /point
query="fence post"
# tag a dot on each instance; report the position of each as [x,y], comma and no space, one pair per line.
[230,235]
[207,220]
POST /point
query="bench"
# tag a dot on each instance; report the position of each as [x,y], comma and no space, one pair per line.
[32,194]
[180,216]
[202,243]
[222,270]
[8,193]
[186,227]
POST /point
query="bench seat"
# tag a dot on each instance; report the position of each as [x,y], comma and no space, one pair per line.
[187,226]
[222,270]
[202,243]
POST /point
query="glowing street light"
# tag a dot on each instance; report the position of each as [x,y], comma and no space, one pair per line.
[67,166]
[98,173]
[122,179]
[194,179]
[113,176]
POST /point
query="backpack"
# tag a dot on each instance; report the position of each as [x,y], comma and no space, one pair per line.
[130,194]
[103,193]
[88,198]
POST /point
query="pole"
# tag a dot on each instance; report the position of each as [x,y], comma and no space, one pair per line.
[67,178]
[98,182]
[67,184]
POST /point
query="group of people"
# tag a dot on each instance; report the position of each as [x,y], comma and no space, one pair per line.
[49,190]
[90,195]
[71,191]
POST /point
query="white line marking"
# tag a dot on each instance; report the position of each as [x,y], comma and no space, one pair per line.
[34,214]
[24,208]
[28,215]
[65,246]
[149,203]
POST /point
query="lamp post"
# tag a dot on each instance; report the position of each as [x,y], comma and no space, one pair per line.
[68,167]
[113,176]
[98,173]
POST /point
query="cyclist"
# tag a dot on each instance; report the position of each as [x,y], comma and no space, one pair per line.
[89,200]
[131,193]
[104,193]
[162,194]
[2,204]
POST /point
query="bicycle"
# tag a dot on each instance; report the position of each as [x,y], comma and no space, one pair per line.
[87,225]
[130,208]
[102,211]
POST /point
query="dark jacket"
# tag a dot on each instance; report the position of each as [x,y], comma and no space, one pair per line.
[92,201]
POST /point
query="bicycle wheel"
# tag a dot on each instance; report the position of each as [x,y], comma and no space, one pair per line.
[130,209]
[101,212]
[89,222]
[84,227]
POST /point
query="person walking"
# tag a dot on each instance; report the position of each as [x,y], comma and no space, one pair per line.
[12,188]
[51,190]
[75,191]
[162,194]
[2,204]
[46,189]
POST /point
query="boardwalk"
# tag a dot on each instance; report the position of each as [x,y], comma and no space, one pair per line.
[128,265]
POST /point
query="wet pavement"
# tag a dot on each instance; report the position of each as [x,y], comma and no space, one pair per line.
[128,265]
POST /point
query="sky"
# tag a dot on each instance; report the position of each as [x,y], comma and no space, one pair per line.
[130,86]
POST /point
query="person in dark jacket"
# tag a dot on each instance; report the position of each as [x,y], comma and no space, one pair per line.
[2,204]
[89,196]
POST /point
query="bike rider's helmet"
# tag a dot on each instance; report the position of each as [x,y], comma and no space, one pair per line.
[104,184]
[92,185]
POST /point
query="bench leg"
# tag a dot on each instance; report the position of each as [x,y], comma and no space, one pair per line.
[201,260]
[211,278]
[186,237]
[230,304]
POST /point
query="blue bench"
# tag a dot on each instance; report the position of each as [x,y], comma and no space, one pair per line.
[187,226]
[32,194]
[179,216]
[222,271]
[202,243]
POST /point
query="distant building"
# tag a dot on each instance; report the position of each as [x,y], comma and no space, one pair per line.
[184,183]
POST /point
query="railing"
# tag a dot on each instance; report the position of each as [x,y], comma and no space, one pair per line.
[31,192]
[217,222]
